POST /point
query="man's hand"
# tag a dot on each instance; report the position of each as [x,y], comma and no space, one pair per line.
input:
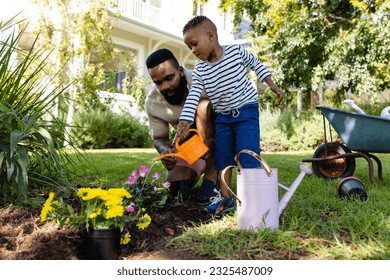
[168,162]
[182,131]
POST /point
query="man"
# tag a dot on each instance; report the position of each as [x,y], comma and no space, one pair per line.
[163,106]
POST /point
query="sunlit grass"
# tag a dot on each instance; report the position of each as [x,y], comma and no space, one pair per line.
[316,224]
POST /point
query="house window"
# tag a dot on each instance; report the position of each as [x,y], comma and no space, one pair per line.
[113,81]
[120,70]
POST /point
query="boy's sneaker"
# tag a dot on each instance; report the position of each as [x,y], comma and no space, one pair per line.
[219,204]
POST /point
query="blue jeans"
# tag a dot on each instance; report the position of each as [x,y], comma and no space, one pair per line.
[235,131]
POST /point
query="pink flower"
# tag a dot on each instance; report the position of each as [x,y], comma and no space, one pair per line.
[156,175]
[131,180]
[166,184]
[130,208]
[143,170]
[135,174]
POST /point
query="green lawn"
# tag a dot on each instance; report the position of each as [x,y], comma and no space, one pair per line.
[316,224]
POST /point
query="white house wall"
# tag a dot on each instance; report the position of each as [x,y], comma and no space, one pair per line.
[165,30]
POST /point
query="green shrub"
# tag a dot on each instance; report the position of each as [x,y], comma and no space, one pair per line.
[29,154]
[291,131]
[104,129]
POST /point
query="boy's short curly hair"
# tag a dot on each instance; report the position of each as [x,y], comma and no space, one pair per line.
[196,21]
[159,57]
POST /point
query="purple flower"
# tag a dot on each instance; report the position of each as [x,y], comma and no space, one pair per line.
[130,208]
[135,174]
[166,184]
[143,170]
[132,180]
[156,175]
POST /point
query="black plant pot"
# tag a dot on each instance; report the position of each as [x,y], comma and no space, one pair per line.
[102,244]
[351,186]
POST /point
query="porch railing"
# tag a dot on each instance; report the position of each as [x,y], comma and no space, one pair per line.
[140,11]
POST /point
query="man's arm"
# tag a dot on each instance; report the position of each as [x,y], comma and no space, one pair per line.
[163,146]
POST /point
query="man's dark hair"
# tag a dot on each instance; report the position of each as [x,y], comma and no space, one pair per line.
[194,22]
[159,57]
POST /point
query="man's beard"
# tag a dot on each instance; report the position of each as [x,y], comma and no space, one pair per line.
[178,95]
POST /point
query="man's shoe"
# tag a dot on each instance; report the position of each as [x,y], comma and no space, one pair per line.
[206,191]
[220,204]
[182,187]
[185,189]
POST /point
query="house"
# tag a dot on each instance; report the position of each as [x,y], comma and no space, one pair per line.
[143,27]
[148,25]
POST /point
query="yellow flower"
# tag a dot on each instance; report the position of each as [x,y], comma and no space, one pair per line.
[91,193]
[94,213]
[115,211]
[47,208]
[126,238]
[144,222]
[119,192]
[83,192]
[113,201]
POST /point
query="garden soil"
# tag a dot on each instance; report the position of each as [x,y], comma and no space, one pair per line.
[23,237]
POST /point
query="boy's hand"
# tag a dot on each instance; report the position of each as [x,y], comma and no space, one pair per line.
[274,88]
[279,93]
[182,131]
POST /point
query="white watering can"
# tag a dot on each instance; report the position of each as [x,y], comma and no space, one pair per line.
[352,104]
[385,113]
[257,194]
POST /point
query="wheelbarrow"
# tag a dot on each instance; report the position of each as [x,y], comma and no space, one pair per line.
[361,136]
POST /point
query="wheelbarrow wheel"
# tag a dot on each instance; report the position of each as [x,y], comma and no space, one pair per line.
[335,168]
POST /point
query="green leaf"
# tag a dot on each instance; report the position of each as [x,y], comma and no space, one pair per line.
[2,156]
[10,168]
[46,135]
[15,138]
[21,179]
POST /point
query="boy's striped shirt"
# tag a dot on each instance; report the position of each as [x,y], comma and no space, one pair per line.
[226,82]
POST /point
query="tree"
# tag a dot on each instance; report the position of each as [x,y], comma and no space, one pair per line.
[360,58]
[310,41]
[80,33]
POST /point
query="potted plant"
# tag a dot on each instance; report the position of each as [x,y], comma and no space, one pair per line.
[106,214]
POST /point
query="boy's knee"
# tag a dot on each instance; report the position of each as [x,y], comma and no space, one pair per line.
[205,110]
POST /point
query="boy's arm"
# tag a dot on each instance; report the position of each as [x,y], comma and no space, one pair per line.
[261,71]
[274,88]
[188,114]
[182,130]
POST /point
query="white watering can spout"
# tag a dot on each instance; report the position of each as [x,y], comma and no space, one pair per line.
[352,104]
[305,170]
[386,113]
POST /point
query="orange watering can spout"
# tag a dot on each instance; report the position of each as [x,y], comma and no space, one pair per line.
[191,150]
[170,155]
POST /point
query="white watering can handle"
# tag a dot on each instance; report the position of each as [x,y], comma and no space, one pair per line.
[256,156]
[223,174]
[267,169]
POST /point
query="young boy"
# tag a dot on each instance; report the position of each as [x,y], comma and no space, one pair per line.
[222,74]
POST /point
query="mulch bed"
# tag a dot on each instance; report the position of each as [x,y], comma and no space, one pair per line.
[23,237]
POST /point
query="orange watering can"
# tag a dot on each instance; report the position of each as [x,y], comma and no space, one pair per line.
[191,150]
